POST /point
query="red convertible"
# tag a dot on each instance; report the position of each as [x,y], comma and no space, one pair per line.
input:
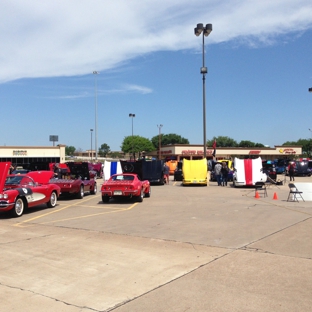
[125,185]
[77,180]
[21,191]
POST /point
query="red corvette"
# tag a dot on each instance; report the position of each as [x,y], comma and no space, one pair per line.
[125,185]
[20,191]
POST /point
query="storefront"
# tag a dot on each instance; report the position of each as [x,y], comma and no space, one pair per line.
[26,156]
[181,151]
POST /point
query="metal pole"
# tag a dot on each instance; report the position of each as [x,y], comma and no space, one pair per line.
[133,154]
[91,130]
[96,132]
[204,101]
[159,142]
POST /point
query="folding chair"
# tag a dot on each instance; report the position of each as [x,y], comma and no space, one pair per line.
[293,193]
[260,187]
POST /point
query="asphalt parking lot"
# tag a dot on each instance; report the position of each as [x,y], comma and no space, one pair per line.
[183,249]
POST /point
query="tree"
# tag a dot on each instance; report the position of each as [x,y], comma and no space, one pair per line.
[70,150]
[136,144]
[246,143]
[306,146]
[167,139]
[223,141]
[104,150]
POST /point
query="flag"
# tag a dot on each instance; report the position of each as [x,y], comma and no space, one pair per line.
[214,145]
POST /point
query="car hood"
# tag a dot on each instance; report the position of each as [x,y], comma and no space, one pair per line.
[4,169]
[41,177]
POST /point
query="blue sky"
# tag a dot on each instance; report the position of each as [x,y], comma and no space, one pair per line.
[148,58]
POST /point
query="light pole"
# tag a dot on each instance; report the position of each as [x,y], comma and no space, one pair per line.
[132,116]
[203,70]
[95,73]
[91,130]
[159,141]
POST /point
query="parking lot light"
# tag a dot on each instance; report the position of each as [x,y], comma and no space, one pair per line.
[198,30]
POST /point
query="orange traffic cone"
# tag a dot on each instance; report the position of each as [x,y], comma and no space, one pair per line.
[275,196]
[257,195]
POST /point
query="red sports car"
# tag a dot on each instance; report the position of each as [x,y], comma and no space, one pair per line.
[125,185]
[20,191]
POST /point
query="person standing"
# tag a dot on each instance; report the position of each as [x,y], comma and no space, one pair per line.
[217,172]
[57,171]
[166,173]
[291,171]
[224,173]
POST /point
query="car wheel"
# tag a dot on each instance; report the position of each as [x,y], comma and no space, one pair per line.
[140,197]
[148,194]
[18,207]
[105,199]
[53,199]
[94,189]
[81,192]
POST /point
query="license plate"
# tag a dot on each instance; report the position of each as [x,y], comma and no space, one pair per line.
[195,181]
[117,192]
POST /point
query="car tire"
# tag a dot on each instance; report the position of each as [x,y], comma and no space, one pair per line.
[93,192]
[52,201]
[105,199]
[19,207]
[140,197]
[81,192]
[148,194]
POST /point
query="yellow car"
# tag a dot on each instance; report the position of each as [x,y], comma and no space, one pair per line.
[194,172]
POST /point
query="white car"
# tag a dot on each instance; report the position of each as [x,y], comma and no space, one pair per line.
[248,171]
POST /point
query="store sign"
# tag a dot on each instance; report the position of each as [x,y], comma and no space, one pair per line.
[254,152]
[287,151]
[19,153]
[166,152]
[194,152]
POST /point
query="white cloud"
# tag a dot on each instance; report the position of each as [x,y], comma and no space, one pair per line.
[66,38]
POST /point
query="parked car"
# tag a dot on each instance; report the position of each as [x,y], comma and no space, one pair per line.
[151,170]
[178,174]
[194,172]
[247,172]
[21,191]
[20,171]
[302,168]
[268,167]
[172,164]
[125,185]
[77,181]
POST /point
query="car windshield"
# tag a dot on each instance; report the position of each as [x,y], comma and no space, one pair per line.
[13,180]
[123,178]
[19,180]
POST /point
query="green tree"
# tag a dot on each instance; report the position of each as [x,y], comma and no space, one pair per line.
[306,145]
[246,143]
[136,145]
[104,150]
[70,150]
[223,141]
[167,139]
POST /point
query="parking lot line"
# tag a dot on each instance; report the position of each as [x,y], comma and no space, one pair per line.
[22,224]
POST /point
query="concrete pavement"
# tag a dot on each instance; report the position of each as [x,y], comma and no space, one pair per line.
[184,249]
